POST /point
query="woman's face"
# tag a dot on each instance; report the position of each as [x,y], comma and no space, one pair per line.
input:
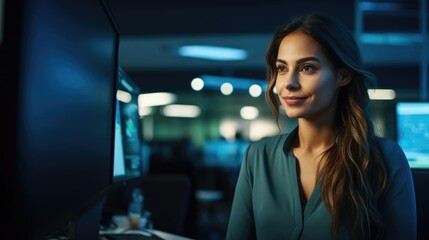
[306,80]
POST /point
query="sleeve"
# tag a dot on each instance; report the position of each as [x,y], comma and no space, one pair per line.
[241,222]
[399,202]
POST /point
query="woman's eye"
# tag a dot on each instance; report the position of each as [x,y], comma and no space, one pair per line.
[281,69]
[308,68]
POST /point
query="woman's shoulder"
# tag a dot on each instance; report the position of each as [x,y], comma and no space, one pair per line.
[267,143]
[271,139]
[393,154]
[272,148]
[388,146]
[262,154]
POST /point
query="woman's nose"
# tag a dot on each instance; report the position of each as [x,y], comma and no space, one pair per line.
[292,82]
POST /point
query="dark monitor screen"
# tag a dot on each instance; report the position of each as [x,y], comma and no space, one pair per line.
[412,132]
[61,62]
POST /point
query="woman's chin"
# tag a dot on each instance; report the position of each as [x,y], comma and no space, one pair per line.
[293,115]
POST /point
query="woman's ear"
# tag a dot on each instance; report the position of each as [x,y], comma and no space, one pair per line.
[344,77]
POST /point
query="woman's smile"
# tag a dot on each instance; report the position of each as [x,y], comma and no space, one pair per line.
[294,100]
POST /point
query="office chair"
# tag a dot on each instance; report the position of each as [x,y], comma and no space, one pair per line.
[167,197]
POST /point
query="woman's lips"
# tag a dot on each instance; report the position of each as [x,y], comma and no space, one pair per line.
[293,101]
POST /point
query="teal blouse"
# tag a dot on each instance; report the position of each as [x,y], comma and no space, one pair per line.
[267,201]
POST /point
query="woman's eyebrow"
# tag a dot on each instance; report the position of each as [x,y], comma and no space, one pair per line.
[306,59]
[299,61]
[281,61]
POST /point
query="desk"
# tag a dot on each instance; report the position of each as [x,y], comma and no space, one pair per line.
[169,236]
[123,227]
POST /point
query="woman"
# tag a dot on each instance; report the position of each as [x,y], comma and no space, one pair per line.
[330,178]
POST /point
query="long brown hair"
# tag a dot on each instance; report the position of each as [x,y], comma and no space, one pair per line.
[354,175]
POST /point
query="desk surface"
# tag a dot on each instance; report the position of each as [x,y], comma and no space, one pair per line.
[123,227]
[169,236]
[161,234]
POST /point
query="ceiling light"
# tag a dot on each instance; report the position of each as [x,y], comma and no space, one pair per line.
[379,6]
[226,88]
[197,84]
[241,84]
[255,90]
[228,129]
[262,128]
[381,94]
[155,99]
[144,111]
[123,96]
[181,110]
[394,39]
[212,52]
[275,90]
[249,112]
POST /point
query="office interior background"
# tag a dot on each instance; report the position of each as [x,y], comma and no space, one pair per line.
[192,73]
[156,36]
[167,47]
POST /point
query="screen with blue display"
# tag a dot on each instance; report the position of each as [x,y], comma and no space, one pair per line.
[130,155]
[119,159]
[412,132]
[223,153]
[127,155]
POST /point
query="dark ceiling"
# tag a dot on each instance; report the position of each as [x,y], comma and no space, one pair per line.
[137,17]
[151,32]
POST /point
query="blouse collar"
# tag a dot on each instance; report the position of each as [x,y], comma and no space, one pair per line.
[287,147]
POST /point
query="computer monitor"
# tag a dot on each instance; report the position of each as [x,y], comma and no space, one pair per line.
[412,132]
[131,153]
[130,161]
[119,170]
[59,64]
[224,154]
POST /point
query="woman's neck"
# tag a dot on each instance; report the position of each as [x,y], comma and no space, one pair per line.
[314,138]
